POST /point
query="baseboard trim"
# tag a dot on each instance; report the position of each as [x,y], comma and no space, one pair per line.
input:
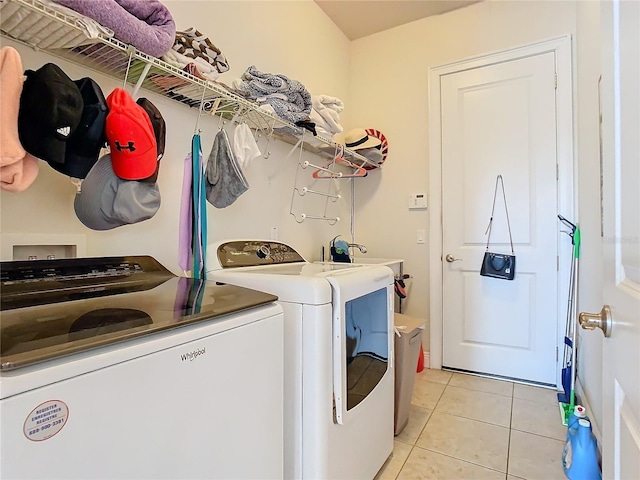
[500,377]
[583,400]
[427,360]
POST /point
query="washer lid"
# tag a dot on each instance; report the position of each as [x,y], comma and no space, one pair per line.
[87,312]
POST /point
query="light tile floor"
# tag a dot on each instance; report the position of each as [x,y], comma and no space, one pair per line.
[468,427]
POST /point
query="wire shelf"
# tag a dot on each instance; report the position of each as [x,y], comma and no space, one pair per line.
[22,20]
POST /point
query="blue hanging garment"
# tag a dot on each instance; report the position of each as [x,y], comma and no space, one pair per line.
[203,215]
[199,210]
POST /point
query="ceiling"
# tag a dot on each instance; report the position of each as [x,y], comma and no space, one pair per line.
[359,18]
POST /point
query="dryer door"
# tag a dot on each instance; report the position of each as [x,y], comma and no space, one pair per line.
[362,334]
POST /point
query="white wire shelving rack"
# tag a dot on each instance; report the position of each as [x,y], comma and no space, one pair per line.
[21,20]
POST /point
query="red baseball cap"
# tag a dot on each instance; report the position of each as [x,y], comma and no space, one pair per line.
[131,137]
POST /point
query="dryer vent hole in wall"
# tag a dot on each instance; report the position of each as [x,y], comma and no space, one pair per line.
[41,252]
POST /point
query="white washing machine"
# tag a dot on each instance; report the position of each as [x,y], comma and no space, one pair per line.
[338,355]
[114,368]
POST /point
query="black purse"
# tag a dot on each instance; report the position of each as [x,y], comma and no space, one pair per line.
[498,265]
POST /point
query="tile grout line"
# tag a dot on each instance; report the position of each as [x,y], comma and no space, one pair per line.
[510,429]
[538,435]
[440,397]
[507,427]
[413,445]
[535,402]
[404,463]
[486,391]
[461,460]
[469,418]
[470,389]
[506,472]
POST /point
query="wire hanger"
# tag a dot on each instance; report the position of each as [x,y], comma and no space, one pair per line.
[319,170]
[126,73]
[221,122]
[196,130]
[267,153]
[358,170]
[338,158]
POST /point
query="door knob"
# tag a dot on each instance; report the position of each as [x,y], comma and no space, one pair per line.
[602,320]
[450,258]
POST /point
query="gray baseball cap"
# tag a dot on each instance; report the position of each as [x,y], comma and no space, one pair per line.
[106,201]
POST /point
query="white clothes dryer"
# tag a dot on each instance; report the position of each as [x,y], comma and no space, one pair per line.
[338,355]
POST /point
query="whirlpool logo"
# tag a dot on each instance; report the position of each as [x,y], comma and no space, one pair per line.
[191,356]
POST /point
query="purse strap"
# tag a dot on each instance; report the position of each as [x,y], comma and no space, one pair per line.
[504,197]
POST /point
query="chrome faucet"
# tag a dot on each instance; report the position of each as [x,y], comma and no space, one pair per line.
[351,246]
[362,248]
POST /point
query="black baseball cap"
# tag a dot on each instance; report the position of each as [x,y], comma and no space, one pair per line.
[159,130]
[83,147]
[51,108]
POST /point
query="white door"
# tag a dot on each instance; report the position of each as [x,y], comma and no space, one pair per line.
[620,92]
[500,119]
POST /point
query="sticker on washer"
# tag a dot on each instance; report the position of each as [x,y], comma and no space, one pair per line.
[46,420]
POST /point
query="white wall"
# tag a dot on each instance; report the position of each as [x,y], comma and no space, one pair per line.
[389,91]
[589,350]
[270,35]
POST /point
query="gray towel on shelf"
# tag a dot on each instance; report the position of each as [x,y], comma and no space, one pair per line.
[289,98]
[224,180]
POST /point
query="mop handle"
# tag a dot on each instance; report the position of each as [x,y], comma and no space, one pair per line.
[575,235]
[567,223]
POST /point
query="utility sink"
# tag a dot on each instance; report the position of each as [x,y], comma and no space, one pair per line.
[376,261]
[394,263]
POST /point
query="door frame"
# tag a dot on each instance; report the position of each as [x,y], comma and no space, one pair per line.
[566,170]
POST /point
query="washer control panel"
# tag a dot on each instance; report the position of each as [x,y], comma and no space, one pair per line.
[251,253]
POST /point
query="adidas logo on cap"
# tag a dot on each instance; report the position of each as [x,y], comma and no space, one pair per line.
[64,131]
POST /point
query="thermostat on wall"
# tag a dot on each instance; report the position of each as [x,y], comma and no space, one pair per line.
[417,201]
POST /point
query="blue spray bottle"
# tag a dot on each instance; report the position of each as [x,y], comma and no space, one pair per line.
[580,455]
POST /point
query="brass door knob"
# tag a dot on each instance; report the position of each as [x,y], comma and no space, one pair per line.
[450,258]
[602,320]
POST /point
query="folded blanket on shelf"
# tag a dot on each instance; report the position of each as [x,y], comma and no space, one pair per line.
[327,101]
[147,25]
[192,69]
[325,113]
[269,88]
[237,87]
[191,46]
[204,69]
